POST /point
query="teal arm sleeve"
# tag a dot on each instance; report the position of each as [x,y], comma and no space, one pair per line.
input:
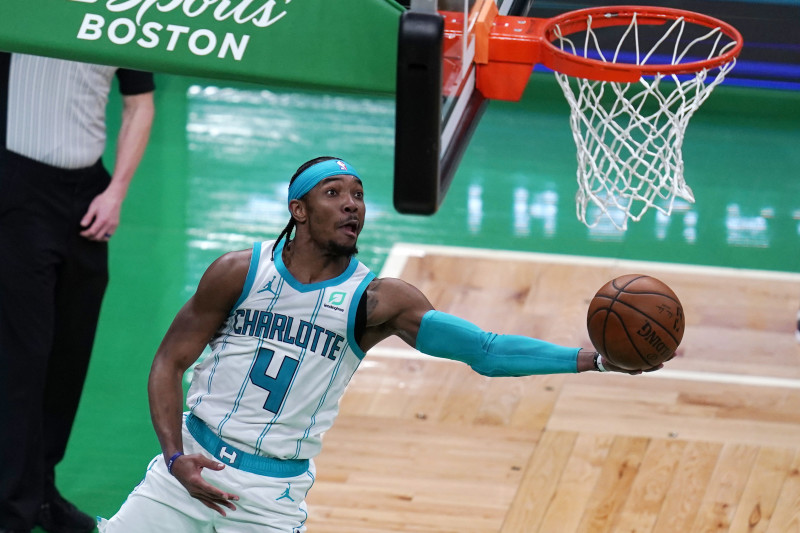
[450,337]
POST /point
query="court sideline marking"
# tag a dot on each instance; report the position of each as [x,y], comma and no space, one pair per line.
[401,252]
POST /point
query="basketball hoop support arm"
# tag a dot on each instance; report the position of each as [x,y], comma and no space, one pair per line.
[508,47]
[506,50]
[513,48]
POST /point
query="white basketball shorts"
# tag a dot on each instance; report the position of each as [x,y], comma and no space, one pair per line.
[160,503]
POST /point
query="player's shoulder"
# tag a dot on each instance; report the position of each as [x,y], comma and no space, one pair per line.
[231,265]
[394,292]
[237,259]
[224,279]
[389,285]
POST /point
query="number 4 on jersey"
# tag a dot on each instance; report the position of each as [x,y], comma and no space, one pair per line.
[277,386]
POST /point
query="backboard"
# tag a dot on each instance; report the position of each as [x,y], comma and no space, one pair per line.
[438,106]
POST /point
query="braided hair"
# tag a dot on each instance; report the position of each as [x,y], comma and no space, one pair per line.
[287,231]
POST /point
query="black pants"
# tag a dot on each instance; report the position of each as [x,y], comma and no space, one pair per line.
[52,282]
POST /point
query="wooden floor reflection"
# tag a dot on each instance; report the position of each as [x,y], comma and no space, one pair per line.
[710,443]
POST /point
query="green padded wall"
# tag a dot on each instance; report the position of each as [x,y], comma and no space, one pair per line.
[344,44]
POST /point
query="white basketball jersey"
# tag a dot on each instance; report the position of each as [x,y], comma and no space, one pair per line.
[282,360]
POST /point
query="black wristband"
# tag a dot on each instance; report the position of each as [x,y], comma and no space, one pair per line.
[598,364]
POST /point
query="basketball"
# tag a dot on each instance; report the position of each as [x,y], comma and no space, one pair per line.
[636,322]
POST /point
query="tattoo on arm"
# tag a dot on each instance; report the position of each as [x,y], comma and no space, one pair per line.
[372,297]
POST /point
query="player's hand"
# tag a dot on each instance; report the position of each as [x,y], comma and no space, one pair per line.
[188,468]
[611,367]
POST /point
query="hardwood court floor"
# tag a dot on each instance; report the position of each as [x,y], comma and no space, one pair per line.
[710,443]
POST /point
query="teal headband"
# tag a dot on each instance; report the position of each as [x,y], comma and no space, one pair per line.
[309,178]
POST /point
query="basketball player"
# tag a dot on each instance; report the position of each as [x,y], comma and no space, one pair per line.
[288,323]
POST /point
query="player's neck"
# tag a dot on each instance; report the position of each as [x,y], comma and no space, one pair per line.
[309,264]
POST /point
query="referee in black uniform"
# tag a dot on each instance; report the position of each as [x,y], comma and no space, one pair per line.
[58,209]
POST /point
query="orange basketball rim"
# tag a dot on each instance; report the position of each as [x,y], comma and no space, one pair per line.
[508,47]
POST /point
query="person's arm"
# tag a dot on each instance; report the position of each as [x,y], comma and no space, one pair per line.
[395,307]
[187,336]
[102,217]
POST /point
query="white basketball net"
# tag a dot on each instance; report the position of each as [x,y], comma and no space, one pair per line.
[629,135]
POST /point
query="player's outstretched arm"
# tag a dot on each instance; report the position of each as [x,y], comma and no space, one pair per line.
[187,336]
[395,307]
